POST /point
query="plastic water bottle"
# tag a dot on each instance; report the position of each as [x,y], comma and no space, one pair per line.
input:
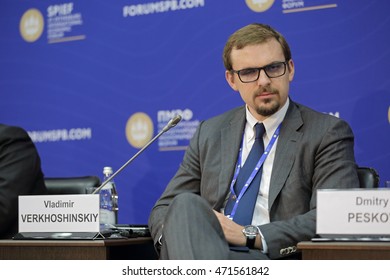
[108,201]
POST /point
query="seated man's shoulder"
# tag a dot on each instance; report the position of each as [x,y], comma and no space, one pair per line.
[316,116]
[12,132]
[227,117]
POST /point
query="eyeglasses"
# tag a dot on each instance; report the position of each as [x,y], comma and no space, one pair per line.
[272,70]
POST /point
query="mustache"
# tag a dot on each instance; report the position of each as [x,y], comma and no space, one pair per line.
[268,90]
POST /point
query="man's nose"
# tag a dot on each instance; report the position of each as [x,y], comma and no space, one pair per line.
[263,78]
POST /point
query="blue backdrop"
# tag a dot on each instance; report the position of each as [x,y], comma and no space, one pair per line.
[92,81]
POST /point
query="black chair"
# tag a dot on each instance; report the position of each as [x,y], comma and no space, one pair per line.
[368,177]
[72,185]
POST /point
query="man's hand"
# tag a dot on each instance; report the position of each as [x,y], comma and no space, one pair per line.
[233,231]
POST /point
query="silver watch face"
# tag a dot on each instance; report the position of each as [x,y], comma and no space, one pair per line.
[250,231]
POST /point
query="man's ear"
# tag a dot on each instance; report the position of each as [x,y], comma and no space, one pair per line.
[291,70]
[231,79]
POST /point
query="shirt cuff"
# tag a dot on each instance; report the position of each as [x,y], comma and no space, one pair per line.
[263,243]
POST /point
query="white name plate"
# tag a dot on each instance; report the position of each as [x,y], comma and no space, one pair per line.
[353,212]
[59,213]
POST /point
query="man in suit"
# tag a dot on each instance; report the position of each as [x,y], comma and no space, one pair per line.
[305,150]
[20,174]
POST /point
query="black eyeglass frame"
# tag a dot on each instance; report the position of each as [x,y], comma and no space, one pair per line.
[259,70]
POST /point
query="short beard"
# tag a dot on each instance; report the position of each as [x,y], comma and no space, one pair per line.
[268,111]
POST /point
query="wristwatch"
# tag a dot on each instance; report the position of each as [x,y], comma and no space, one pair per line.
[250,233]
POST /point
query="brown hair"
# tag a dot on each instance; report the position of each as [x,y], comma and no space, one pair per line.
[252,34]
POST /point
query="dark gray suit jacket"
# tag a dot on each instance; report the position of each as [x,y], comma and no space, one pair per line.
[20,174]
[314,151]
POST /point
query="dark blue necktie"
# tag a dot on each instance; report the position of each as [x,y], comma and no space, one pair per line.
[246,206]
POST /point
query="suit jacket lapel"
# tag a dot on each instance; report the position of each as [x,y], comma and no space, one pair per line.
[285,151]
[231,137]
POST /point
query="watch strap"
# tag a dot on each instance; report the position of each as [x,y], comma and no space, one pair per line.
[250,242]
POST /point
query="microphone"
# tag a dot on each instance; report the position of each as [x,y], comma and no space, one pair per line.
[172,123]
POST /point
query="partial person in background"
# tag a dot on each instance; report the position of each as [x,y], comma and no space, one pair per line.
[20,174]
[227,202]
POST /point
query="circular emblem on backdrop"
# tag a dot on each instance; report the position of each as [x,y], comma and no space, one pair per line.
[31,25]
[388,114]
[259,5]
[139,130]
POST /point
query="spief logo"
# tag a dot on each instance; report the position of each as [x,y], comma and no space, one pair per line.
[139,130]
[388,114]
[259,6]
[31,25]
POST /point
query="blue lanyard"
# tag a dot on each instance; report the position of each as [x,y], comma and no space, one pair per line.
[254,172]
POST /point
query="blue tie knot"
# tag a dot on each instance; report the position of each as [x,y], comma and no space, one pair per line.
[260,130]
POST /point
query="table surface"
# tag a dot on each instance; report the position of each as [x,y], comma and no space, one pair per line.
[73,243]
[350,245]
[121,248]
[345,250]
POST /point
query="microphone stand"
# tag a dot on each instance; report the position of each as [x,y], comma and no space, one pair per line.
[173,122]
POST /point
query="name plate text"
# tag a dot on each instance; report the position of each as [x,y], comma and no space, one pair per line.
[59,213]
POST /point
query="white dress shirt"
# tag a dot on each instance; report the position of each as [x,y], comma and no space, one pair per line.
[261,212]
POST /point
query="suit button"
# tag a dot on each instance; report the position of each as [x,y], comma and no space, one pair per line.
[294,248]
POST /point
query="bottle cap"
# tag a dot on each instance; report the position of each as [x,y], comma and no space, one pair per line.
[107,170]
